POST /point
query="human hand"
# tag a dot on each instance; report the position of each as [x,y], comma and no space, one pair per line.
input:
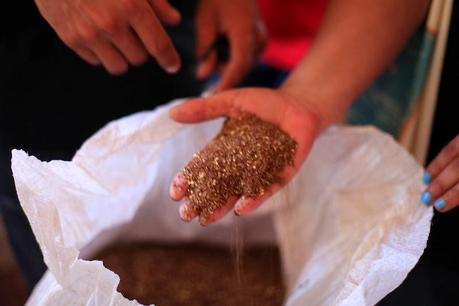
[291,115]
[442,177]
[239,21]
[115,33]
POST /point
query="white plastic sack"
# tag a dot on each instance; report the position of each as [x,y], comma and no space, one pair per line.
[349,226]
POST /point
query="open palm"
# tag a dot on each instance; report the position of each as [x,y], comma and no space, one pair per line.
[275,106]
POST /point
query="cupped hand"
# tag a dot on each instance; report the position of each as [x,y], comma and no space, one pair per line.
[115,33]
[442,177]
[239,21]
[291,115]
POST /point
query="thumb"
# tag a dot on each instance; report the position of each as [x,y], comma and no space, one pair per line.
[165,12]
[203,109]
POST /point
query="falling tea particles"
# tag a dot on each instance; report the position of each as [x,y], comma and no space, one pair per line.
[244,159]
[196,275]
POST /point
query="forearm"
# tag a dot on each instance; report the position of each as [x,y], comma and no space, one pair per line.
[357,41]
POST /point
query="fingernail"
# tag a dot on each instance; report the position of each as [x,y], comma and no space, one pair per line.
[426,198]
[237,213]
[172,69]
[426,177]
[186,213]
[203,221]
[440,204]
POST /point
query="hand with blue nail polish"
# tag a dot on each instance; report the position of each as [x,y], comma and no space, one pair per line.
[426,178]
[426,198]
[442,179]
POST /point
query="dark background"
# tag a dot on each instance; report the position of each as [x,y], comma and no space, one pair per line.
[435,279]
[51,101]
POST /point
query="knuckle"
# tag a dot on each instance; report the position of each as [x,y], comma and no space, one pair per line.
[89,33]
[110,25]
[108,21]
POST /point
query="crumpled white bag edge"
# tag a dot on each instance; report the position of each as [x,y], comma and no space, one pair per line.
[364,128]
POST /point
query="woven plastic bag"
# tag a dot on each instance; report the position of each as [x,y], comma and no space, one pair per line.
[349,226]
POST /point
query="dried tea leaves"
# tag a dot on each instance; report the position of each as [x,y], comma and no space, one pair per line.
[196,275]
[244,159]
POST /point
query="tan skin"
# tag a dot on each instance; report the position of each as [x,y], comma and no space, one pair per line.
[117,34]
[444,170]
[114,33]
[357,41]
[246,38]
[276,105]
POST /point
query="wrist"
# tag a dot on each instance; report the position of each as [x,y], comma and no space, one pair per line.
[327,99]
[310,118]
[312,102]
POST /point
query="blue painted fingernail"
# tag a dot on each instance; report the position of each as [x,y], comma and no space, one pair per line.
[440,204]
[426,198]
[426,177]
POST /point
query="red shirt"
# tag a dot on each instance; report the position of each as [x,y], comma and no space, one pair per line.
[292,26]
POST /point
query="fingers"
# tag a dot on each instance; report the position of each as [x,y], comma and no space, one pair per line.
[178,191]
[95,27]
[122,33]
[110,57]
[442,184]
[75,37]
[87,55]
[206,66]
[206,220]
[246,43]
[186,212]
[178,188]
[166,12]
[445,180]
[241,60]
[442,177]
[155,38]
[130,46]
[115,33]
[449,201]
[206,34]
[202,109]
[446,155]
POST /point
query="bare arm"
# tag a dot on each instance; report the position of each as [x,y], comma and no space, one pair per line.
[357,41]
